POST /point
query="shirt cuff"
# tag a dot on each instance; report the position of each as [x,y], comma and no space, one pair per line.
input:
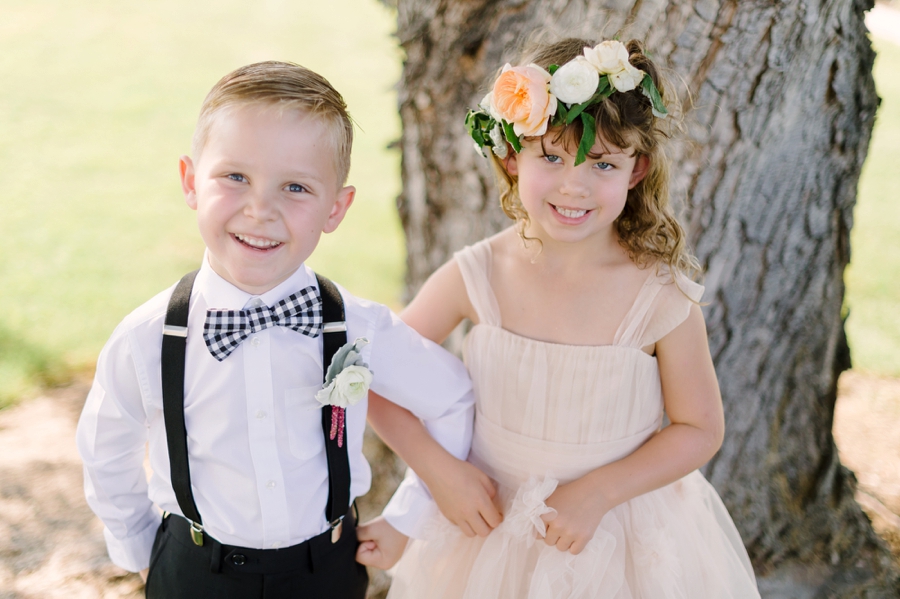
[411,507]
[131,553]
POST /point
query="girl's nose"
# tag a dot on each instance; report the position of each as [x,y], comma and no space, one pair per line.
[574,184]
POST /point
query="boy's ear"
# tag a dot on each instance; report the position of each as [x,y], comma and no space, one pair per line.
[640,170]
[186,169]
[339,210]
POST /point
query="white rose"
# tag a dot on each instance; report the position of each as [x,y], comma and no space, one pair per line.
[607,57]
[575,82]
[626,79]
[611,58]
[499,140]
[347,388]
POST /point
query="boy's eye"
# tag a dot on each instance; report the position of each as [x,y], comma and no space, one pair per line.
[296,188]
[237,177]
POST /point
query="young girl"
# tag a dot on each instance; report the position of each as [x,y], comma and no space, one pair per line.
[586,330]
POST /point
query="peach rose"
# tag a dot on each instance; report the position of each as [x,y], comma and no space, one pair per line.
[521,96]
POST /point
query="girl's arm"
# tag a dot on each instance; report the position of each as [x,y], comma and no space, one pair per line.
[694,407]
[462,492]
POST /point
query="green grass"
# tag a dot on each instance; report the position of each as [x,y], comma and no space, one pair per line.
[98,100]
[873,277]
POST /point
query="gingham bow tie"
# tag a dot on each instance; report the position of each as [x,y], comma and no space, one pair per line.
[224,330]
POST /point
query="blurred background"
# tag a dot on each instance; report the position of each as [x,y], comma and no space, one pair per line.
[98,100]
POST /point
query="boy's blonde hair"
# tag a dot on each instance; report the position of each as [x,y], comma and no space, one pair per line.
[647,227]
[286,86]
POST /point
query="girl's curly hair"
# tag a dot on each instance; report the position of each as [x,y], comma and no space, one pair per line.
[647,227]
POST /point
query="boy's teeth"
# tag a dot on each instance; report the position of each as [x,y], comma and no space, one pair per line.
[571,213]
[257,243]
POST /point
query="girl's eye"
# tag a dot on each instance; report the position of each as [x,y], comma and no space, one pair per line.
[237,177]
[604,166]
[552,158]
[296,188]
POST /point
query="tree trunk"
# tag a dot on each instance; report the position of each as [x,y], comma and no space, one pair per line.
[783,108]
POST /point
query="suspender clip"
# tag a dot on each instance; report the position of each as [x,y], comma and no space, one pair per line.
[337,526]
[197,534]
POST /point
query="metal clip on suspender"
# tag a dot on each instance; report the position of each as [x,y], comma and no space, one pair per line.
[172,370]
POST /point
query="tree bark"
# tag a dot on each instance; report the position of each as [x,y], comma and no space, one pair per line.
[783,108]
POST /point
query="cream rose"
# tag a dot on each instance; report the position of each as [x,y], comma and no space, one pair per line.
[347,388]
[611,58]
[499,140]
[575,82]
[521,96]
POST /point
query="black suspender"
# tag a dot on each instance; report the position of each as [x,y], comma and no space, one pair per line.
[173,354]
[333,337]
[172,370]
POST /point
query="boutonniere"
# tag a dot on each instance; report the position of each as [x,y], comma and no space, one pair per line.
[347,381]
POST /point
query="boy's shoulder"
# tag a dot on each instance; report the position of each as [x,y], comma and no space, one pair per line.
[361,310]
[149,314]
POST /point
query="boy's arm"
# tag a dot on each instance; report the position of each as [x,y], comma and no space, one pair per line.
[433,385]
[111,439]
[462,492]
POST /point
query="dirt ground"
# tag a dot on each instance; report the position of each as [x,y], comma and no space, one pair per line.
[51,546]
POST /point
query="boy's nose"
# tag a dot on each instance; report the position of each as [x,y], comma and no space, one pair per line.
[260,206]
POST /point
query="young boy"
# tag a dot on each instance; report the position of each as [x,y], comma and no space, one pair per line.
[223,376]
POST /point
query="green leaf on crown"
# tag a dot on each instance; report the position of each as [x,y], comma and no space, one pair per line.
[511,136]
[648,88]
[588,137]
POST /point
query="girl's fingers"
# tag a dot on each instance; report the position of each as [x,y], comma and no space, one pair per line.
[488,485]
[466,529]
[481,528]
[491,515]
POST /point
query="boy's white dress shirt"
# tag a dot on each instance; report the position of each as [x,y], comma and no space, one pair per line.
[257,452]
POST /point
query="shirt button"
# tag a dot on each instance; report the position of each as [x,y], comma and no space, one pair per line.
[255,342]
[256,303]
[275,545]
[260,414]
[270,484]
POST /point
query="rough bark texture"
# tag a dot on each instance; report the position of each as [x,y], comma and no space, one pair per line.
[783,108]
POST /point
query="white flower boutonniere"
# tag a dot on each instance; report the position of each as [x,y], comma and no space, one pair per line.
[347,381]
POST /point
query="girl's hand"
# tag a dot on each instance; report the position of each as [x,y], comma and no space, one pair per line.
[579,510]
[380,544]
[465,495]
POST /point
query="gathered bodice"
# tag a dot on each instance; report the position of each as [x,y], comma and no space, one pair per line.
[543,397]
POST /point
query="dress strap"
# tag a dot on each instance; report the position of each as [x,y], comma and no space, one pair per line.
[475,264]
[662,304]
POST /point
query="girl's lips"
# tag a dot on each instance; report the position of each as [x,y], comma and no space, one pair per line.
[570,216]
[256,243]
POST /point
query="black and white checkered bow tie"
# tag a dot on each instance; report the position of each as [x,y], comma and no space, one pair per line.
[224,330]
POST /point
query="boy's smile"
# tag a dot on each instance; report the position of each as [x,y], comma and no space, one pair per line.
[265,187]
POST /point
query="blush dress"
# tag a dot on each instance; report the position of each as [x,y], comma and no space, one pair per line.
[549,413]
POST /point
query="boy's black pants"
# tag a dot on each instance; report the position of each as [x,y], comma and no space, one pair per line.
[315,569]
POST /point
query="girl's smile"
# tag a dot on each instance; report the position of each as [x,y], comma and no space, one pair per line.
[572,216]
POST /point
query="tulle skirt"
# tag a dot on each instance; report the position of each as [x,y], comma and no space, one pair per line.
[677,542]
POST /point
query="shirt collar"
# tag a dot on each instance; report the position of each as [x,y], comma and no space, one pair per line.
[221,294]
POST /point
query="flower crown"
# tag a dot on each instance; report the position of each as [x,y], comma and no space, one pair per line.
[525,100]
